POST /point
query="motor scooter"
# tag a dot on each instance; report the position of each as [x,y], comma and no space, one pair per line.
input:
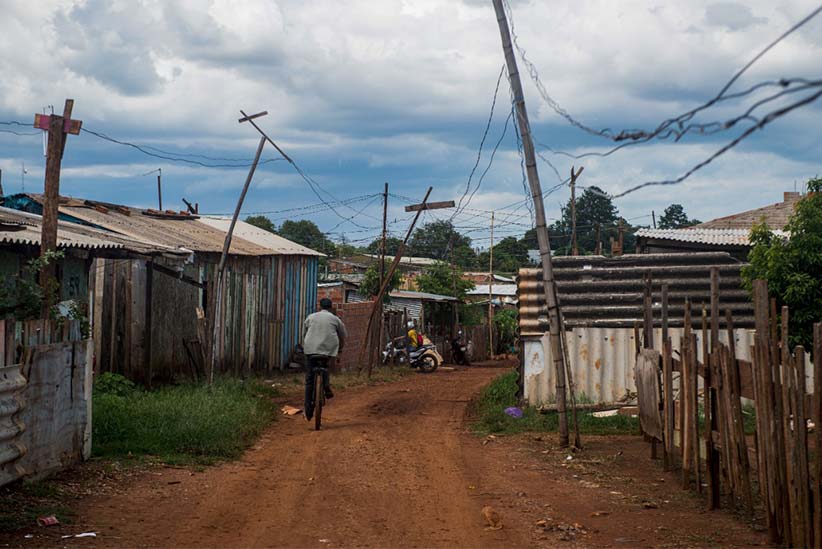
[460,350]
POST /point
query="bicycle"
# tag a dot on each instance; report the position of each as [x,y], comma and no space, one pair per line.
[320,373]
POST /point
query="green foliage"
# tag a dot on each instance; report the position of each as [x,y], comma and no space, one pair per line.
[436,240]
[793,267]
[505,322]
[509,255]
[674,217]
[114,384]
[262,222]
[392,245]
[501,394]
[22,298]
[442,279]
[370,284]
[471,314]
[308,234]
[21,504]
[181,424]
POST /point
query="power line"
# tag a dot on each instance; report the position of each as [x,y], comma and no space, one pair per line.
[774,115]
[640,135]
[165,155]
[482,141]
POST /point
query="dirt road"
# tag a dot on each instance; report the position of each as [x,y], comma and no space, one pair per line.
[396,467]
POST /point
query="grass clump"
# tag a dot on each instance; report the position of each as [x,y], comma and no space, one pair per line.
[22,503]
[178,424]
[500,394]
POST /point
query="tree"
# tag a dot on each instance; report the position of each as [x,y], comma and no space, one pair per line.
[307,233]
[370,284]
[436,239]
[392,245]
[442,279]
[593,207]
[674,217]
[793,266]
[509,255]
[262,222]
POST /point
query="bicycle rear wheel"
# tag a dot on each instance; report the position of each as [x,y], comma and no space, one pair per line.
[319,400]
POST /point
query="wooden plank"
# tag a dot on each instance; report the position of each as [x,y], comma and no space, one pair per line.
[801,442]
[744,469]
[686,417]
[766,429]
[667,385]
[430,206]
[789,486]
[712,468]
[817,419]
[648,313]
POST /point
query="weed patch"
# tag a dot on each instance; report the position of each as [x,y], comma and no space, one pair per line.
[21,504]
[182,424]
[489,411]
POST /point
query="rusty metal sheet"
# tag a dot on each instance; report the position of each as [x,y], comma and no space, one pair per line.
[276,244]
[646,374]
[11,427]
[607,292]
[26,228]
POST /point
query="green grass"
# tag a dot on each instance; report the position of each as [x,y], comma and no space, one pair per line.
[22,503]
[501,394]
[184,424]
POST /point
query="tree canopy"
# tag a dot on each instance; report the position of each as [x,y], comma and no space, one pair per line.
[370,284]
[674,217]
[392,245]
[793,266]
[262,222]
[509,255]
[435,240]
[442,279]
[308,234]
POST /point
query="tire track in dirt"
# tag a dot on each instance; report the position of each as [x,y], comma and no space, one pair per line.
[388,469]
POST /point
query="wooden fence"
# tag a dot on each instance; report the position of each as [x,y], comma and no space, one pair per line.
[777,469]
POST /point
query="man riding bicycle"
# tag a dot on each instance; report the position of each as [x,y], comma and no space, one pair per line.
[324,337]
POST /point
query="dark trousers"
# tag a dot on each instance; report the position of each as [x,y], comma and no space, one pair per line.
[315,361]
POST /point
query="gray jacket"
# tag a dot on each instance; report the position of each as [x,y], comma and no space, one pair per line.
[322,332]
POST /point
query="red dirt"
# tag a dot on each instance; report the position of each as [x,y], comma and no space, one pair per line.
[395,466]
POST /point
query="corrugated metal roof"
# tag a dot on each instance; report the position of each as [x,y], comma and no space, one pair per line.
[275,243]
[608,292]
[717,237]
[422,296]
[26,228]
[498,289]
[190,233]
[775,215]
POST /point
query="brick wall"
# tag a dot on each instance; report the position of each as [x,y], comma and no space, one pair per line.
[334,293]
[355,318]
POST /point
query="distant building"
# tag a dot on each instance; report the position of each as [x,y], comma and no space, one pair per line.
[725,234]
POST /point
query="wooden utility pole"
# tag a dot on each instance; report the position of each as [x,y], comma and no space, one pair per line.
[419,208]
[653,218]
[549,286]
[599,239]
[218,282]
[574,176]
[58,127]
[160,188]
[381,313]
[491,291]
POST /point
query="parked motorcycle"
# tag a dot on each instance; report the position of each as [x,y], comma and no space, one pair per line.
[460,350]
[425,357]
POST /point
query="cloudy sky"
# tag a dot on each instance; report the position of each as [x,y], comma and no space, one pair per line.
[364,92]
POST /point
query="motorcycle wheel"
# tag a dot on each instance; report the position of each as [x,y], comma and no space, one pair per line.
[428,363]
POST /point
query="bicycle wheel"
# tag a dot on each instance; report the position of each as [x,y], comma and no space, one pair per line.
[319,400]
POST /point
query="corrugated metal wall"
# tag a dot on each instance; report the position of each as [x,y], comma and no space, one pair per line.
[607,291]
[603,359]
[265,302]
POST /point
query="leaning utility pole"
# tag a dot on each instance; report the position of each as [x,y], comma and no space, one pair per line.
[549,286]
[216,328]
